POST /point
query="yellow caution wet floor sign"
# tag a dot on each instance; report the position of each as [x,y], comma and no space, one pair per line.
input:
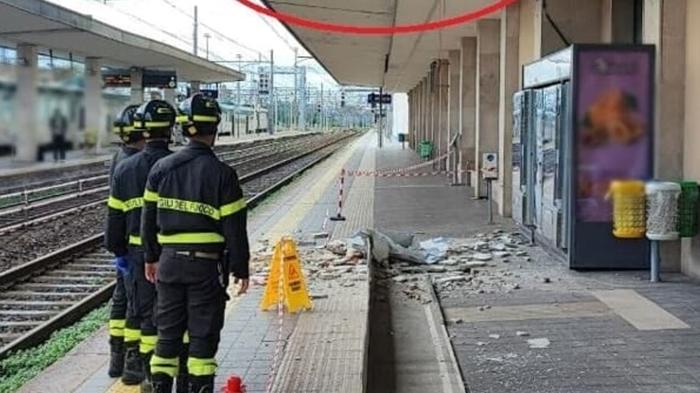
[291,290]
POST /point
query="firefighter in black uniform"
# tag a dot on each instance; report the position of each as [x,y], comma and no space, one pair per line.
[133,142]
[156,118]
[194,232]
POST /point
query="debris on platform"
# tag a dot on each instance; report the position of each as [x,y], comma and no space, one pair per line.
[538,343]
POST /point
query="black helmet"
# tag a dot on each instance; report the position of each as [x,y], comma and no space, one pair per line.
[124,125]
[156,118]
[199,115]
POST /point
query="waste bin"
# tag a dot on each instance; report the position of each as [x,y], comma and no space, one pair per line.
[688,209]
[426,150]
[629,209]
[662,210]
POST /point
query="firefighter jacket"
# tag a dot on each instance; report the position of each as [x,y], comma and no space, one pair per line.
[123,153]
[126,197]
[194,202]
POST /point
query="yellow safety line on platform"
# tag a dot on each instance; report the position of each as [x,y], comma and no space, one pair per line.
[290,222]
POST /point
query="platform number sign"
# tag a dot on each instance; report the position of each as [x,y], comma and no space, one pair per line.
[375,98]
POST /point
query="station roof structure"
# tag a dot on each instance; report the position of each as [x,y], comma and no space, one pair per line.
[361,60]
[54,27]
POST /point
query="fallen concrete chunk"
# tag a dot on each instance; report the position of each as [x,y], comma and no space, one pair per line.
[521,333]
[450,279]
[472,265]
[402,278]
[436,269]
[480,256]
[538,343]
[337,247]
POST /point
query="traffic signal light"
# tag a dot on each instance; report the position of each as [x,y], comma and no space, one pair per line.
[342,99]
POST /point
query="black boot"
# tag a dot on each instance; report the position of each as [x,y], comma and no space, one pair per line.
[146,384]
[181,382]
[133,365]
[201,384]
[162,383]
[116,356]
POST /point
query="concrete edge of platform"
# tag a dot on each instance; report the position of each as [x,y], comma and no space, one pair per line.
[371,284]
[445,342]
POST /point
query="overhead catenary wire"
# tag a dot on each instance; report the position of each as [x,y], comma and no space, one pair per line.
[216,32]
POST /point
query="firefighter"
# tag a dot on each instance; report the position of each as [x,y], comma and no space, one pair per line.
[194,231]
[132,143]
[156,118]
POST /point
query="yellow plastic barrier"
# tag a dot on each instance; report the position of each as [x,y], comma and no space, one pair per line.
[629,209]
[286,284]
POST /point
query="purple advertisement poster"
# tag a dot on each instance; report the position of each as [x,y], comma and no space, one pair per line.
[614,106]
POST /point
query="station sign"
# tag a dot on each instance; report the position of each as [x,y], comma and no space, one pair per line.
[116,78]
[375,98]
[151,78]
[160,79]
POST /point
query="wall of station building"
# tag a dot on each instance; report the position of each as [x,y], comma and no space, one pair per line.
[526,35]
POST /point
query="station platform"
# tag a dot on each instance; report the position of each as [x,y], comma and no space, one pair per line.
[516,320]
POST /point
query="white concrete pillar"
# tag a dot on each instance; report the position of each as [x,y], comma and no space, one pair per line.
[509,71]
[94,103]
[426,108]
[454,109]
[27,102]
[487,93]
[467,97]
[443,113]
[665,27]
[136,86]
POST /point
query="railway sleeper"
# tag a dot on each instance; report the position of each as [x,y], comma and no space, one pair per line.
[78,271]
[30,295]
[63,288]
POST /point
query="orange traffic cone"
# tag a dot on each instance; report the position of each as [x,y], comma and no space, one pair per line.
[234,385]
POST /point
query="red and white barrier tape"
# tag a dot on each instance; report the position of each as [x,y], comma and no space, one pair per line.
[401,174]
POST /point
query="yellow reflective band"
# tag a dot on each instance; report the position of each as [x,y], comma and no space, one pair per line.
[155,124]
[191,238]
[205,119]
[135,240]
[116,327]
[115,203]
[167,366]
[189,207]
[131,335]
[201,367]
[132,204]
[182,119]
[186,337]
[148,344]
[232,208]
[150,196]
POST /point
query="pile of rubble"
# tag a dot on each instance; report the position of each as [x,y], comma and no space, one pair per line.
[326,266]
[468,266]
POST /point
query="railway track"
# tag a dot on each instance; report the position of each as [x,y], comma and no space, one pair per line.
[31,207]
[57,289]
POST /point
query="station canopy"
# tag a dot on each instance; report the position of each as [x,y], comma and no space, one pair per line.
[361,60]
[50,26]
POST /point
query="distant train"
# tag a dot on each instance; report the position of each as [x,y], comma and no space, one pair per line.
[242,120]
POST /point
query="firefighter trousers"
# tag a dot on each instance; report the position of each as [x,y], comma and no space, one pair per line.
[117,315]
[141,304]
[191,297]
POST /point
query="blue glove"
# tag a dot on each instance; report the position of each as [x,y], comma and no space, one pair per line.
[122,265]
